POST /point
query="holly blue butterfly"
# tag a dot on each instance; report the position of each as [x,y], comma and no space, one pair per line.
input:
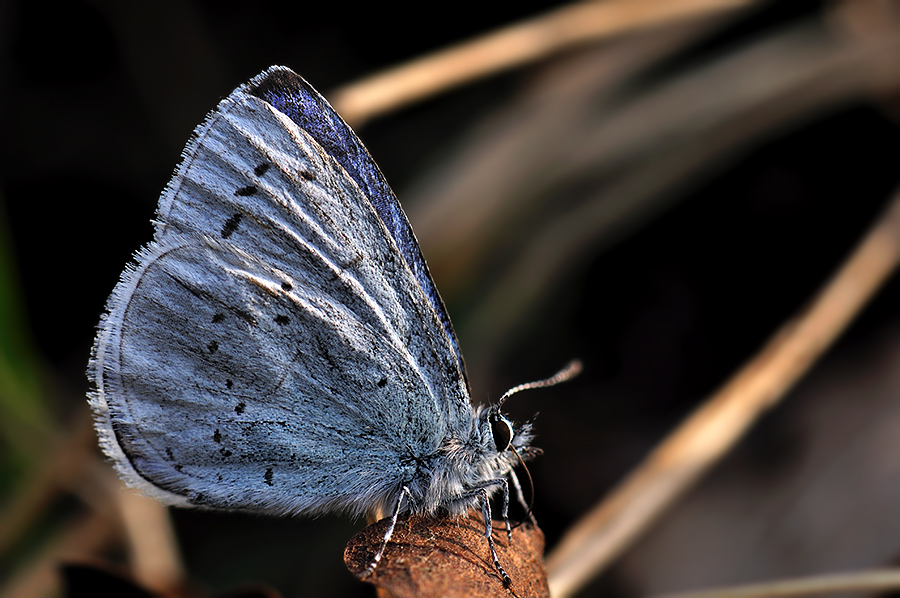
[280,346]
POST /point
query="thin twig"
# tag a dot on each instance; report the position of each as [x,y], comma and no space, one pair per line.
[884,580]
[513,46]
[718,424]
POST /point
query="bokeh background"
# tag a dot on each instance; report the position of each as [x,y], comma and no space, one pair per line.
[657,204]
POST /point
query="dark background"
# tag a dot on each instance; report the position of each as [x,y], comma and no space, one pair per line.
[98,98]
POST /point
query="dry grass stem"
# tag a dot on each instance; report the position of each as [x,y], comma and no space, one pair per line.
[877,581]
[720,422]
[153,547]
[458,209]
[510,47]
[62,468]
[89,535]
[670,138]
[77,469]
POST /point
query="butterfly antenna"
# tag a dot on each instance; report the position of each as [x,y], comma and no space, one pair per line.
[572,369]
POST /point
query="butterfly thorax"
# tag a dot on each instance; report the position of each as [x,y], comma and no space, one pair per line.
[450,480]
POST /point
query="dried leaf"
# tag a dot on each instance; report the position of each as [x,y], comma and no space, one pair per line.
[449,558]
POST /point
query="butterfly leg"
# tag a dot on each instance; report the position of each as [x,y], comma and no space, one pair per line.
[488,533]
[504,513]
[480,490]
[390,532]
[520,496]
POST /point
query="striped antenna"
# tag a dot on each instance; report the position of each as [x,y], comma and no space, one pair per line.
[572,369]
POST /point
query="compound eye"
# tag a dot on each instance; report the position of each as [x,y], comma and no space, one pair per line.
[502,430]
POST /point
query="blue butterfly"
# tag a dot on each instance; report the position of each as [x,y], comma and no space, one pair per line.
[280,346]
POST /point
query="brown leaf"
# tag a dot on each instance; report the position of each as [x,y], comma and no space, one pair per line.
[449,558]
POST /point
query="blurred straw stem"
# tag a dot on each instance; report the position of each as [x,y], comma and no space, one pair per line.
[720,422]
[153,548]
[510,47]
[61,467]
[883,580]
[89,535]
[656,147]
[114,513]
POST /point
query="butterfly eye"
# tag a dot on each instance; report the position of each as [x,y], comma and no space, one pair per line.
[502,431]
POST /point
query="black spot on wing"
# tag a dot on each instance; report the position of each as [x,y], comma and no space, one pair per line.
[245,191]
[231,225]
[307,175]
[282,320]
[261,169]
[213,346]
[268,477]
[382,383]
[217,436]
[240,407]
[218,318]
[229,383]
[287,287]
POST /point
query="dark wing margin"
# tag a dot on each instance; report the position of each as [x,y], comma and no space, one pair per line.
[288,93]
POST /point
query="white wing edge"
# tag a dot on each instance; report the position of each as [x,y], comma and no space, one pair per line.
[105,359]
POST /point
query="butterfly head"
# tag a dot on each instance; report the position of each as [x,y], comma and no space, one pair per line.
[501,429]
[501,437]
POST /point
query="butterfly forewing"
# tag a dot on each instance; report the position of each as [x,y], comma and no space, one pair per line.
[295,98]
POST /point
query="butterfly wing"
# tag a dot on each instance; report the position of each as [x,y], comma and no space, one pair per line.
[295,98]
[272,349]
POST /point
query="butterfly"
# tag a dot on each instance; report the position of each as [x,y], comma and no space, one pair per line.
[279,346]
